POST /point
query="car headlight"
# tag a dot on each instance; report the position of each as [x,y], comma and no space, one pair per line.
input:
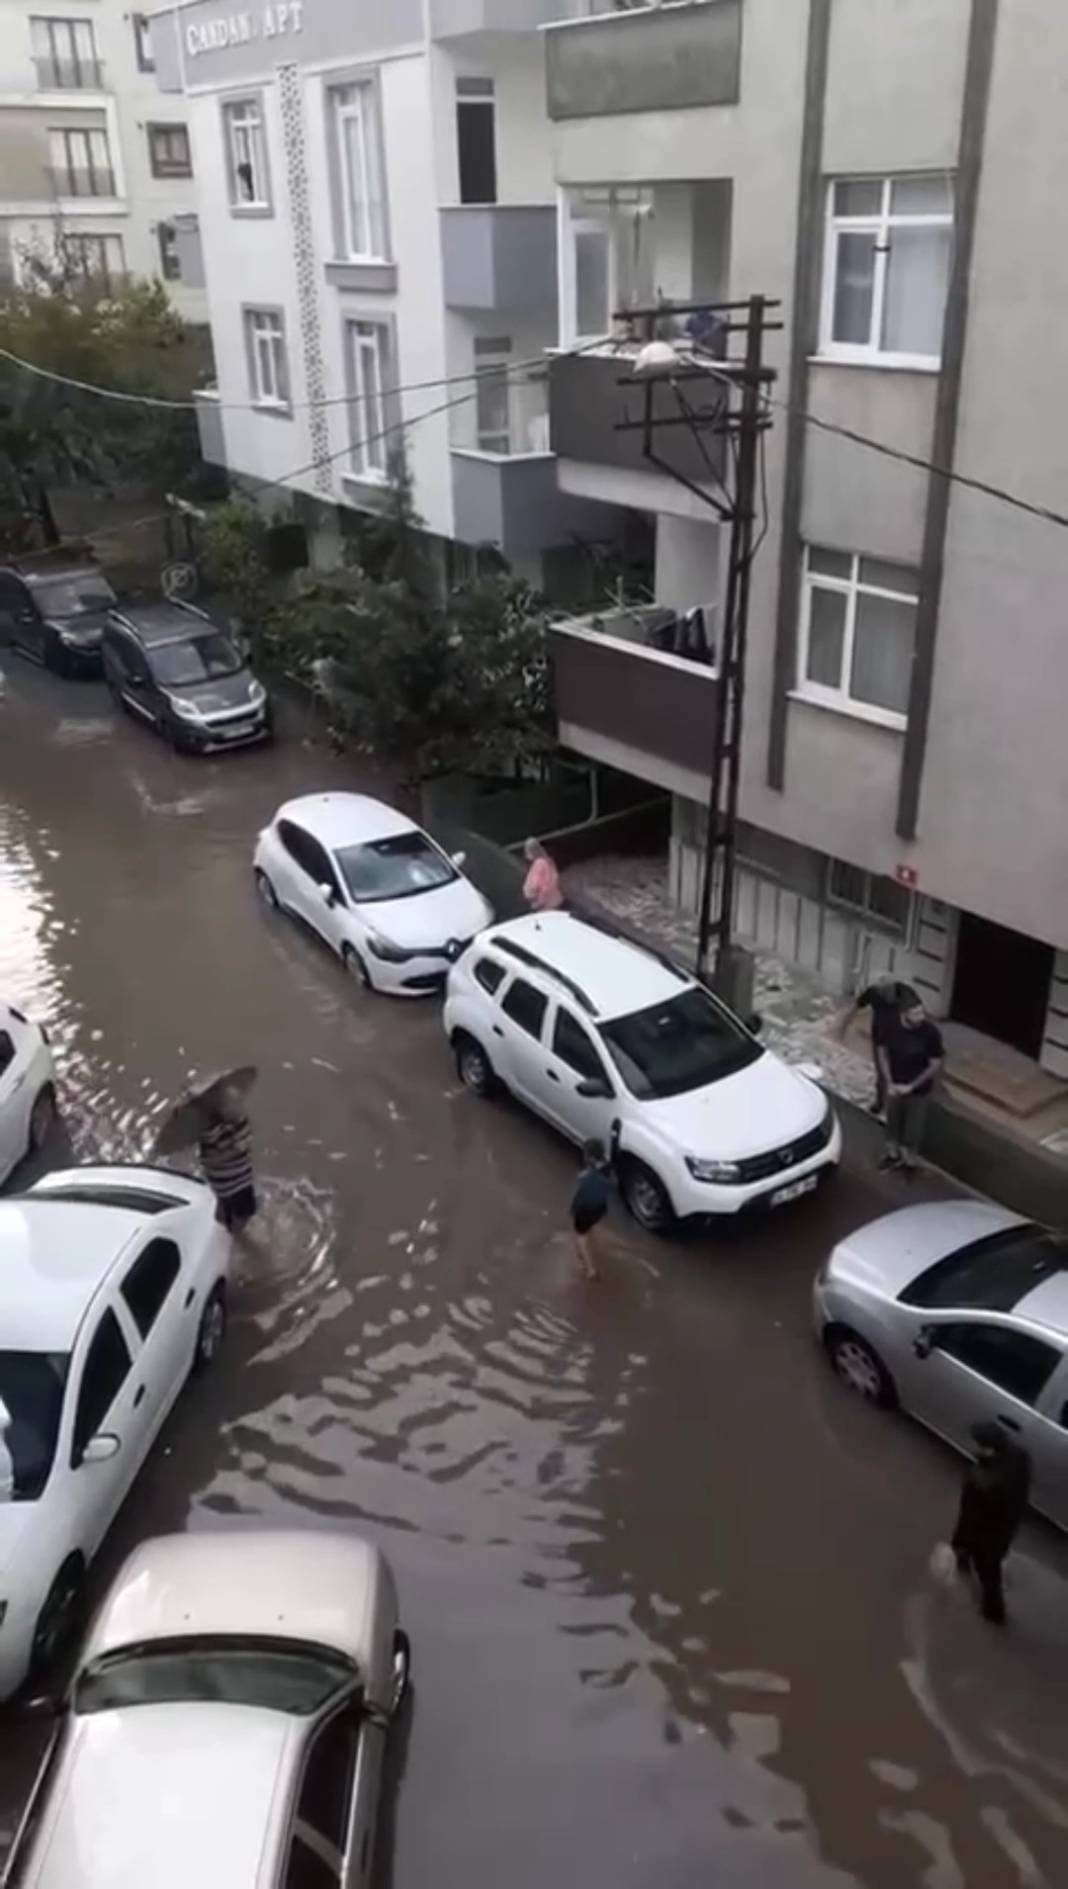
[389,953]
[188,710]
[257,694]
[722,1171]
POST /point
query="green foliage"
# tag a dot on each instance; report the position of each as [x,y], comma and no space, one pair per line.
[234,557]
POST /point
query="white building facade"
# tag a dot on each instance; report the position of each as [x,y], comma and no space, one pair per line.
[89,156]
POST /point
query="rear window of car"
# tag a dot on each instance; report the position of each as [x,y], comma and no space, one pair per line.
[282,1678]
[994,1274]
[684,1044]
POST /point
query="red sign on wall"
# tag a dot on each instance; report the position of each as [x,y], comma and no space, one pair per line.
[907,875]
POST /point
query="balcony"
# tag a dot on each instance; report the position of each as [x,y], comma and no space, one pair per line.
[624,702]
[69,75]
[499,258]
[591,395]
[657,58]
[456,19]
[210,426]
[504,476]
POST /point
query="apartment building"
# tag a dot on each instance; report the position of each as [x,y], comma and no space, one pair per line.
[87,155]
[378,230]
[889,171]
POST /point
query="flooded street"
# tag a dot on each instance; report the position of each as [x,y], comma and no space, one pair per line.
[666,1585]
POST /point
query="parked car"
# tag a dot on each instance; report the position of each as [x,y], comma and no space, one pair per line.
[27,1088]
[613,1042]
[112,1287]
[226,1722]
[56,616]
[396,909]
[957,1311]
[169,664]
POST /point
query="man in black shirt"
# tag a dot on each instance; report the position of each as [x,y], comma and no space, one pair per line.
[911,1058]
[993,1503]
[886,998]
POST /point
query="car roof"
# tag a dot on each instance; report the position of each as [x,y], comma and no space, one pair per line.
[287,1584]
[163,622]
[1047,1304]
[345,819]
[594,962]
[54,1256]
[167,1795]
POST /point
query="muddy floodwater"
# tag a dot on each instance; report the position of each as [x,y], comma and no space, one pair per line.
[666,1584]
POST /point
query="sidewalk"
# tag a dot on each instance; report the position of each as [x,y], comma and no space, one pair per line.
[798,1024]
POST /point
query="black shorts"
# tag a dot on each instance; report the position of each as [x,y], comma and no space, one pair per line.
[584,1219]
[236,1210]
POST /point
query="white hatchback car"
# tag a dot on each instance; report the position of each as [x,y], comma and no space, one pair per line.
[27,1088]
[112,1287]
[396,909]
[612,1042]
[226,1723]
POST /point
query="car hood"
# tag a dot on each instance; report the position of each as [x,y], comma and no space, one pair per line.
[429,919]
[16,1523]
[222,696]
[761,1107]
[87,627]
[887,1254]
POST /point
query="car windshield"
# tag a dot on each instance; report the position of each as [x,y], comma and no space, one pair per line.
[679,1045]
[992,1274]
[31,1392]
[217,1671]
[202,659]
[73,596]
[395,868]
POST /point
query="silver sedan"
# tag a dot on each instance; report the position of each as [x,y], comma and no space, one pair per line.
[957,1311]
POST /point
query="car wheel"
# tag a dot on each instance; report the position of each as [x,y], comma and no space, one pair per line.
[473,1066]
[211,1330]
[42,1119]
[266,890]
[861,1369]
[58,1619]
[55,656]
[356,967]
[647,1198]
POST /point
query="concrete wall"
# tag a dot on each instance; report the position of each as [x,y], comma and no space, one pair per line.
[688,553]
[894,85]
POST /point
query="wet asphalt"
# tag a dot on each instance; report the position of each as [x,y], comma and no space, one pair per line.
[666,1584]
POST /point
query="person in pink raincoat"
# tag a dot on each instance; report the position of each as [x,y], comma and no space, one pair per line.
[541,887]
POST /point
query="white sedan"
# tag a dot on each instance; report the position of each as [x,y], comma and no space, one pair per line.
[112,1288]
[227,1720]
[396,909]
[27,1088]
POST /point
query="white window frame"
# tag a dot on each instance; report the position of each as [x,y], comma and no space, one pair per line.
[96,166]
[493,366]
[369,353]
[851,589]
[880,224]
[265,336]
[245,133]
[71,52]
[355,103]
[873,919]
[110,265]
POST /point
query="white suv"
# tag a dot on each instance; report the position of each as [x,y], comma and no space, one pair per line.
[610,1041]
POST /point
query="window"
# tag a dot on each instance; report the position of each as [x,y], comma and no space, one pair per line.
[858,627]
[476,139]
[96,258]
[889,244]
[1012,1360]
[493,394]
[686,1043]
[107,1367]
[143,43]
[608,259]
[268,368]
[489,975]
[64,53]
[573,1046]
[993,1274]
[168,151]
[81,163]
[883,900]
[368,361]
[149,1280]
[359,167]
[243,1670]
[32,1384]
[395,868]
[170,261]
[320,1826]
[246,155]
[7,1048]
[525,1006]
[306,1869]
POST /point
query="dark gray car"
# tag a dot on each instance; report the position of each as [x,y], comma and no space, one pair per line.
[56,617]
[171,666]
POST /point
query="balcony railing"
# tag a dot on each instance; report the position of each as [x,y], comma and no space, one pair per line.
[68,182]
[625,701]
[499,257]
[69,75]
[654,58]
[594,395]
[455,19]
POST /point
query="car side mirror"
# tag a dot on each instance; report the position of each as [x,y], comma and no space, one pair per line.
[329,893]
[102,1447]
[459,859]
[755,1023]
[594,1089]
[923,1343]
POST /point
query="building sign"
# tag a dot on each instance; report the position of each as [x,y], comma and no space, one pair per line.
[240,29]
[907,875]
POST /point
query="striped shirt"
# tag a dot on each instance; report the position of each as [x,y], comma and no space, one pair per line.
[226,1157]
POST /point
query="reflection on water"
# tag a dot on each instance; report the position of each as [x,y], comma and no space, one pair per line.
[668,1591]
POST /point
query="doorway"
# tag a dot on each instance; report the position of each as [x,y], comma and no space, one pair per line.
[1002,983]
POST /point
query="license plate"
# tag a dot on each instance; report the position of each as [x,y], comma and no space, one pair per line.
[795,1190]
[236,731]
